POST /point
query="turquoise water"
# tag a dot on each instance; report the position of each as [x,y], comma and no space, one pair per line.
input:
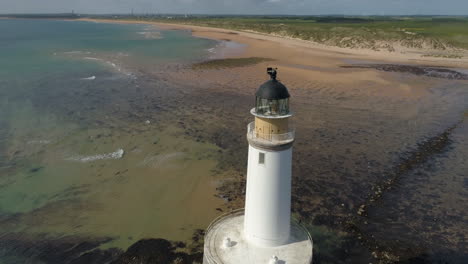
[33,51]
[87,149]
[29,46]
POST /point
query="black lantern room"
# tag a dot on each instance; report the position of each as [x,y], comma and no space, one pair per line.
[272,97]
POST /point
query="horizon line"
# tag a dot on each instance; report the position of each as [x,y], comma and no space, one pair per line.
[225,14]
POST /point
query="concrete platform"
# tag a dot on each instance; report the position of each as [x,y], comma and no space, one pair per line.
[297,251]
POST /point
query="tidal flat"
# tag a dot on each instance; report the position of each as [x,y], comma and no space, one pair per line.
[379,162]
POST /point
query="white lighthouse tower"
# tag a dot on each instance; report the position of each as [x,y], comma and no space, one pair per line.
[263,232]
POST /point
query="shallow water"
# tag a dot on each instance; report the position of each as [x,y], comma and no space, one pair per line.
[88,143]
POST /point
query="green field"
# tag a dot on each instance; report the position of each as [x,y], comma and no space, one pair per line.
[379,33]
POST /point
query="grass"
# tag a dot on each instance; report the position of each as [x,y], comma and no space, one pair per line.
[379,32]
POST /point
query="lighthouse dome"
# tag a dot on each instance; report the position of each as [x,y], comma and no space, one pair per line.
[272,97]
[272,90]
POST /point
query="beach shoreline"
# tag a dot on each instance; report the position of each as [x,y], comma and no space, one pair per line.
[257,41]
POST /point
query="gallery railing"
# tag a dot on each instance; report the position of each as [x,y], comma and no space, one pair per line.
[271,138]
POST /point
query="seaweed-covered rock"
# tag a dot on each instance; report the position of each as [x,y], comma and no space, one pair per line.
[148,251]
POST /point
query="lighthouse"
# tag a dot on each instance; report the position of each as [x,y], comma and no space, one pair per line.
[264,231]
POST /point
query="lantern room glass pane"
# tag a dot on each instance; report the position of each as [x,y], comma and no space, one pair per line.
[272,107]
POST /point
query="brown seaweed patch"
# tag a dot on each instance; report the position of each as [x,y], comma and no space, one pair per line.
[156,251]
[229,63]
[76,250]
[428,71]
[43,249]
[423,153]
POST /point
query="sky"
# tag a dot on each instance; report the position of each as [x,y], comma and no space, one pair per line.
[291,7]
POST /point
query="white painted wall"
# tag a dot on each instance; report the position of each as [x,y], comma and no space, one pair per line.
[268,198]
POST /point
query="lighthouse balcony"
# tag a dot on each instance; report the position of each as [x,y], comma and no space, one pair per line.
[269,139]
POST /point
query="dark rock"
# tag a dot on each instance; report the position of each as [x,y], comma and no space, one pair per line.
[36,169]
[148,251]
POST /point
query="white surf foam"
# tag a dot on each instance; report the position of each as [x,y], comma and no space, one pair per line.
[110,63]
[113,155]
[113,65]
[43,142]
[91,58]
[151,34]
[77,52]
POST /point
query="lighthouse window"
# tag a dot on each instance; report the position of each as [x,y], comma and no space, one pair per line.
[271,107]
[261,158]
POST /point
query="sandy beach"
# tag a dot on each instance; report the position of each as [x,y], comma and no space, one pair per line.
[260,44]
[303,62]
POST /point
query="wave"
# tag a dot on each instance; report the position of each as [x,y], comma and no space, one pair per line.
[113,155]
[151,34]
[113,65]
[116,67]
[77,52]
[225,48]
[92,58]
[89,78]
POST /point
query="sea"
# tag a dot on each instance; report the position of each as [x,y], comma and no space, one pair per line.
[88,146]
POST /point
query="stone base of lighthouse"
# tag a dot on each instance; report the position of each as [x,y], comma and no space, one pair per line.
[225,244]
